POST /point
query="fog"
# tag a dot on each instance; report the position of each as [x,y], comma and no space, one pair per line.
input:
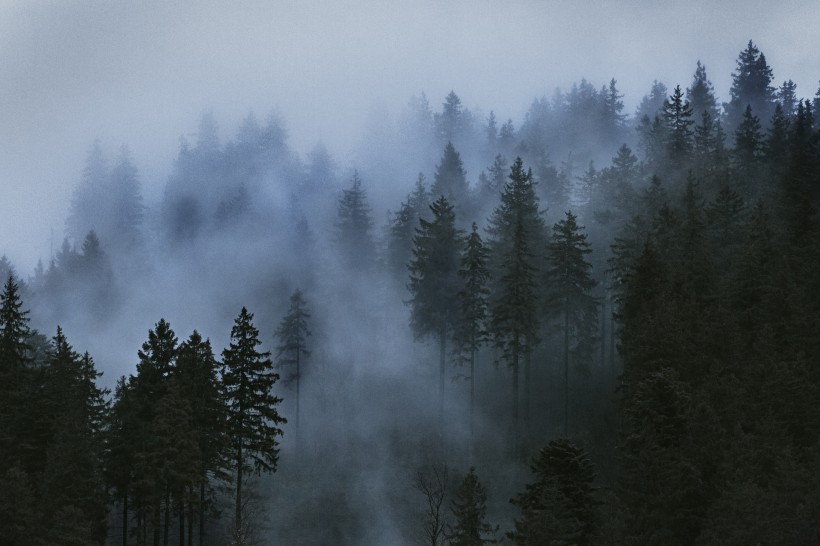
[142,73]
[175,82]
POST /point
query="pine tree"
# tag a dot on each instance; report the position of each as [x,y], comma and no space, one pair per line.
[353,226]
[450,122]
[199,386]
[292,350]
[701,95]
[751,86]
[451,182]
[570,282]
[677,115]
[252,418]
[472,328]
[469,508]
[517,232]
[434,282]
[403,227]
[15,357]
[559,507]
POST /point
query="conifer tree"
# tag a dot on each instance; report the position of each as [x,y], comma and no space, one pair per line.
[292,350]
[701,95]
[434,282]
[559,506]
[15,356]
[451,182]
[472,328]
[403,228]
[199,387]
[677,114]
[570,282]
[353,226]
[469,508]
[517,232]
[751,86]
[252,417]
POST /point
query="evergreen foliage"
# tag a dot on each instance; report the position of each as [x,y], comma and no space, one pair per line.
[252,417]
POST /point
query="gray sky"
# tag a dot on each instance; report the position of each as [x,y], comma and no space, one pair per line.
[140,73]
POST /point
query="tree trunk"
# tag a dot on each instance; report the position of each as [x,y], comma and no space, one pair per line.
[516,350]
[298,378]
[182,517]
[472,385]
[190,515]
[201,512]
[566,370]
[157,519]
[442,363]
[527,380]
[125,519]
[167,523]
[238,523]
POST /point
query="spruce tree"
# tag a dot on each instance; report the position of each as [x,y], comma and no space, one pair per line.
[517,234]
[559,506]
[356,247]
[701,95]
[472,328]
[292,350]
[252,417]
[434,282]
[451,182]
[569,278]
[200,388]
[15,357]
[677,114]
[469,509]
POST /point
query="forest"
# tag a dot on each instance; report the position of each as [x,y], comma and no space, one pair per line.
[587,326]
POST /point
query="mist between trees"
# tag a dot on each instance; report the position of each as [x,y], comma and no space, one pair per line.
[587,327]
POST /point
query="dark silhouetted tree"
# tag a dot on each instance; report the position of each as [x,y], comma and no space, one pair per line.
[292,350]
[434,282]
[559,506]
[252,418]
[469,509]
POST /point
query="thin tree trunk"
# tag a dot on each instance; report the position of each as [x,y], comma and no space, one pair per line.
[125,519]
[167,523]
[527,377]
[442,362]
[566,371]
[182,517]
[472,385]
[238,525]
[516,349]
[298,378]
[604,338]
[157,519]
[201,512]
[190,515]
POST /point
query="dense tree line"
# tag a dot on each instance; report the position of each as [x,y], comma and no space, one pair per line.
[640,334]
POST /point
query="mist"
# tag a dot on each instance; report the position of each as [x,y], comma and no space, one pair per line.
[239,132]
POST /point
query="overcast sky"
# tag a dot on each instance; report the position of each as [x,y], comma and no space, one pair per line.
[141,73]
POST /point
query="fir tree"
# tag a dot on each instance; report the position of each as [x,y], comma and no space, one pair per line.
[472,327]
[434,282]
[451,182]
[292,350]
[559,507]
[570,281]
[469,508]
[353,226]
[701,95]
[252,418]
[677,115]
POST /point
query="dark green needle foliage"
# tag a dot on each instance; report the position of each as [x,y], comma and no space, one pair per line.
[252,417]
[469,509]
[558,507]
